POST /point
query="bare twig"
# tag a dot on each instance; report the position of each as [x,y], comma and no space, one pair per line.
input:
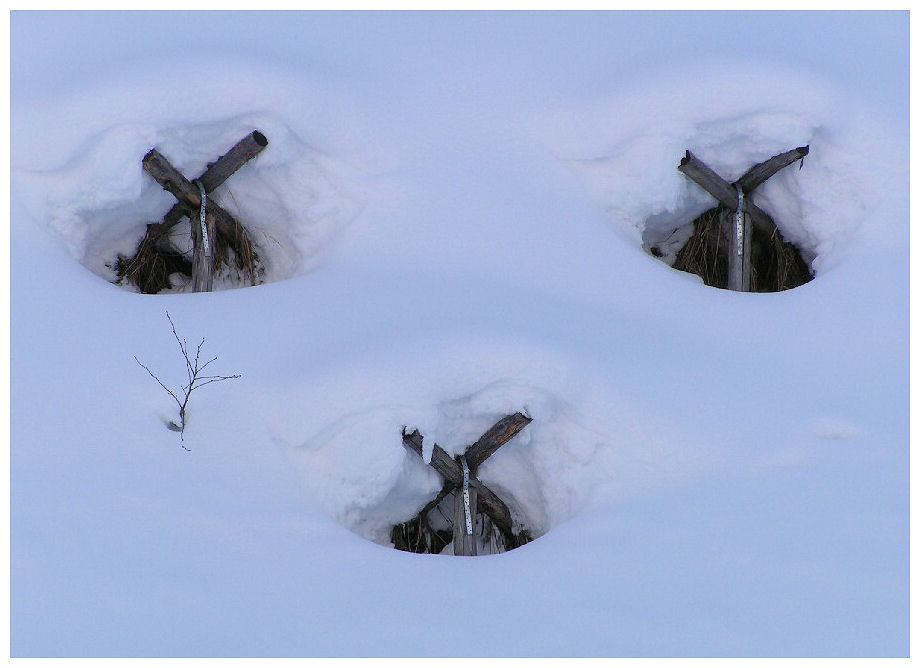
[196,379]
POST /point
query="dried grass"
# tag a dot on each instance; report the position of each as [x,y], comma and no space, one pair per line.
[153,263]
[156,259]
[776,264]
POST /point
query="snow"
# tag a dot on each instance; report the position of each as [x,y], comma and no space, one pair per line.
[453,209]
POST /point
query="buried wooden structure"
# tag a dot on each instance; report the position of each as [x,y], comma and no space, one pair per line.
[214,231]
[737,245]
[472,498]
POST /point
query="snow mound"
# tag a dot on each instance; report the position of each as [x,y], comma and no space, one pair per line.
[293,197]
[627,149]
[346,442]
[544,473]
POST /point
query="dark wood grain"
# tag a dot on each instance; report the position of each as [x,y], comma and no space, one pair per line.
[701,174]
[764,170]
[499,434]
[219,171]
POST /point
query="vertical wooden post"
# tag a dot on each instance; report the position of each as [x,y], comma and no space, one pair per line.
[202,249]
[464,543]
[738,225]
[748,236]
[739,251]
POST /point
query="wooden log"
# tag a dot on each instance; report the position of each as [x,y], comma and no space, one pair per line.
[739,251]
[220,170]
[763,171]
[722,190]
[489,502]
[499,434]
[202,253]
[465,544]
[182,189]
[441,462]
[748,236]
[226,165]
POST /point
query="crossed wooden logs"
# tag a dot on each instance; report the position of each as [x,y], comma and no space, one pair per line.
[730,195]
[726,193]
[223,230]
[482,499]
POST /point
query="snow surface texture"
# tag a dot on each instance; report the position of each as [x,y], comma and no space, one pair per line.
[453,210]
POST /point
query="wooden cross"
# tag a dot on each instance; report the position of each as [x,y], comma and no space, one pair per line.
[481,498]
[739,247]
[223,230]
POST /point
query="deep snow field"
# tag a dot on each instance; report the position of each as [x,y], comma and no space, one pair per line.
[452,209]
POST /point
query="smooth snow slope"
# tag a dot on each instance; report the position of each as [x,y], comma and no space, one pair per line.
[453,207]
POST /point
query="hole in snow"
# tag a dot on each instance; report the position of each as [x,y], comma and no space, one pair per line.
[736,245]
[701,247]
[390,484]
[264,213]
[467,517]
[275,201]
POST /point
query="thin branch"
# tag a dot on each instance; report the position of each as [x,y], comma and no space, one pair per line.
[195,379]
[205,364]
[183,346]
[153,375]
[215,379]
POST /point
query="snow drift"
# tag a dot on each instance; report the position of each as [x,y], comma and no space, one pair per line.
[452,234]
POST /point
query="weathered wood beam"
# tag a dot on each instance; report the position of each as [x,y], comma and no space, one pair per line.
[726,193]
[226,165]
[739,250]
[220,170]
[722,190]
[452,473]
[431,505]
[202,253]
[499,434]
[465,545]
[182,189]
[760,173]
[441,462]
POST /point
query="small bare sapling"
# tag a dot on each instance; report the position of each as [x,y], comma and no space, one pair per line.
[194,369]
